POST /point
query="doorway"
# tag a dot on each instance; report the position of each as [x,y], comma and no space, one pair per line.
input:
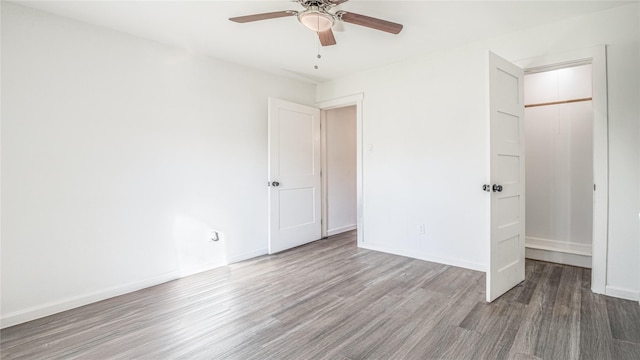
[505,82]
[597,57]
[295,193]
[356,101]
[559,164]
[339,165]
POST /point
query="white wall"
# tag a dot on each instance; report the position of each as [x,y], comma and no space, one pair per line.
[623,270]
[559,176]
[425,155]
[426,142]
[119,155]
[341,169]
[559,160]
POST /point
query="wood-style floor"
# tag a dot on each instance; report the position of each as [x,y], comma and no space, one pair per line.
[331,300]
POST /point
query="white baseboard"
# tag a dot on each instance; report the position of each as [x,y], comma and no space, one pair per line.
[558,257]
[198,269]
[426,257]
[40,311]
[623,293]
[558,246]
[561,252]
[248,255]
[342,229]
[36,312]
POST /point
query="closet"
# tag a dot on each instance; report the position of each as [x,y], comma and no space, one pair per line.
[559,165]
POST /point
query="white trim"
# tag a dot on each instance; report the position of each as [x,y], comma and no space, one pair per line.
[51,308]
[426,257]
[558,257]
[563,65]
[357,100]
[598,58]
[324,182]
[342,229]
[41,311]
[198,269]
[248,255]
[562,252]
[623,293]
[557,246]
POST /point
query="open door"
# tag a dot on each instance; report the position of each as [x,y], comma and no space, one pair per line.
[506,102]
[294,175]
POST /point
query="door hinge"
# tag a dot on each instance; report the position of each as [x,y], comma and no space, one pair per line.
[594,187]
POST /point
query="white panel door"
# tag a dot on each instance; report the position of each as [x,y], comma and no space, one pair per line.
[294,175]
[506,258]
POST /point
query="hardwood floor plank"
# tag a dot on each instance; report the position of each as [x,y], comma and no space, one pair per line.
[564,331]
[625,350]
[498,331]
[406,332]
[447,312]
[519,356]
[586,278]
[449,342]
[624,317]
[596,341]
[390,332]
[549,289]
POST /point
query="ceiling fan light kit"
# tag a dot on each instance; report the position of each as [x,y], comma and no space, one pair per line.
[317,16]
[316,20]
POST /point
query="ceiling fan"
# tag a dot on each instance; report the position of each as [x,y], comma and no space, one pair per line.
[317,16]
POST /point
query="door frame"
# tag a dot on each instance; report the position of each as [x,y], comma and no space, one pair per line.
[597,57]
[357,100]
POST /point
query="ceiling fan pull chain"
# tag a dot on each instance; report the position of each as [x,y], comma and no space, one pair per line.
[318,56]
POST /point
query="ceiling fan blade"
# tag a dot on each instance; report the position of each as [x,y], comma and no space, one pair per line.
[378,24]
[263,16]
[327,38]
[338,2]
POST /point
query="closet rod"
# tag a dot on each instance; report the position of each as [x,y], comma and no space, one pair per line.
[559,102]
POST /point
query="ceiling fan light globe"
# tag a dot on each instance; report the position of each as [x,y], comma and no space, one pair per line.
[316,20]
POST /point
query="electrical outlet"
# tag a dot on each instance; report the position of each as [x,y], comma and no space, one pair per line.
[422,229]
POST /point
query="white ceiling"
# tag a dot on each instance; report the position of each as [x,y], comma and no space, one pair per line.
[286,47]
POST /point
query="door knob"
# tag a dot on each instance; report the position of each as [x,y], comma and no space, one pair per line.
[275,183]
[497,188]
[486,187]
